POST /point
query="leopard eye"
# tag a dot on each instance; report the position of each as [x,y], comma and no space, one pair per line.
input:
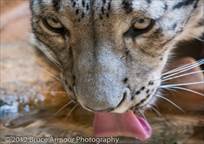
[141,23]
[53,24]
[139,26]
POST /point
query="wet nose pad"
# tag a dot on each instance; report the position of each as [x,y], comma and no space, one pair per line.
[104,110]
[110,109]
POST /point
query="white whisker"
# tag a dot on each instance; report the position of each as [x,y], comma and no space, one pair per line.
[143,114]
[182,75]
[70,112]
[159,114]
[188,90]
[156,111]
[54,92]
[200,39]
[184,69]
[166,99]
[186,66]
[197,38]
[51,74]
[63,107]
[181,84]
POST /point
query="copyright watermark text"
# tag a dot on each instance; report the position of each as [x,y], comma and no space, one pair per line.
[60,140]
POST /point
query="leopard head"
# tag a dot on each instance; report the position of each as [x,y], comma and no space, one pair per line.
[111,53]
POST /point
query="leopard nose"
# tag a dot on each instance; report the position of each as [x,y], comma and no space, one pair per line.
[100,86]
[108,109]
[102,92]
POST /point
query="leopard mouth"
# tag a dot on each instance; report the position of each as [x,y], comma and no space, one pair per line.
[126,124]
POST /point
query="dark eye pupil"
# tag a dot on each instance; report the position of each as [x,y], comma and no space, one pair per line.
[141,21]
[53,25]
[134,31]
[54,20]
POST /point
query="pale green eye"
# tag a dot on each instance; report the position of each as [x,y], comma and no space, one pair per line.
[141,23]
[53,24]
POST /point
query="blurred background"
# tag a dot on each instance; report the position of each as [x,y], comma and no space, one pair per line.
[32,99]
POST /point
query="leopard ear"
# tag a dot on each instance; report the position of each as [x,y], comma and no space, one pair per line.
[194,25]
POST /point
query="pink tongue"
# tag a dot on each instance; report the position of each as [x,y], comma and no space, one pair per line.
[126,124]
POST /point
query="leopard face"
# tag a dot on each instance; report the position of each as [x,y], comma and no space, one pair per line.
[111,52]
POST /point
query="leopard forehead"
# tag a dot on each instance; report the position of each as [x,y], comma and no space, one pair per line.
[170,15]
[104,7]
[153,8]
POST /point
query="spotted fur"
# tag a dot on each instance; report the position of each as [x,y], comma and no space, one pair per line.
[108,65]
